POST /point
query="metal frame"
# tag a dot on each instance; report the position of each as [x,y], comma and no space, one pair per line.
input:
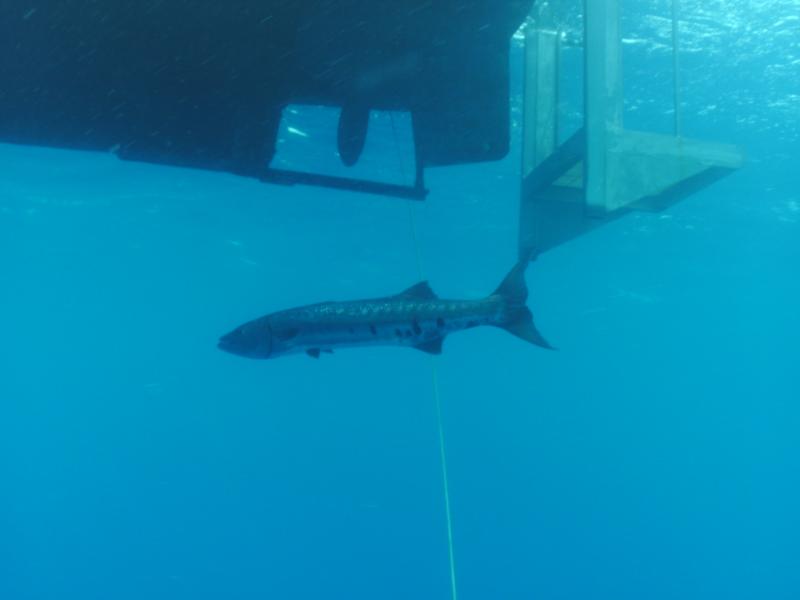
[603,170]
[417,191]
[409,192]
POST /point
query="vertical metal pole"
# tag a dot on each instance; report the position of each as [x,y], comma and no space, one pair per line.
[603,96]
[540,89]
[539,114]
[676,91]
[529,102]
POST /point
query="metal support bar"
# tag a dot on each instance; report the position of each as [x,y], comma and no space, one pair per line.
[566,156]
[539,114]
[603,90]
[676,88]
[285,177]
[542,203]
[540,90]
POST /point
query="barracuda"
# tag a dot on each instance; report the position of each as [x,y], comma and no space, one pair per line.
[416,318]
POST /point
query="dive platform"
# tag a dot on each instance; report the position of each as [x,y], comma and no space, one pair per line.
[204,84]
[603,170]
[206,88]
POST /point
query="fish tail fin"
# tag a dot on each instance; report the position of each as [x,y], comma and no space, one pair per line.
[519,322]
[518,319]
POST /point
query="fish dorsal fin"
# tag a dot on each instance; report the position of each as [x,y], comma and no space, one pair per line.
[431,346]
[420,291]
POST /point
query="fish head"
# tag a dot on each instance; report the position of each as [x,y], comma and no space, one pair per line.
[251,340]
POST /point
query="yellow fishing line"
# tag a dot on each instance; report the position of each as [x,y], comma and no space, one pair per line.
[435,382]
[439,420]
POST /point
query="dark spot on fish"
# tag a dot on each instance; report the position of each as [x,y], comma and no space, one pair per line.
[398,333]
[440,322]
[472,324]
[286,334]
[415,326]
[373,329]
[408,333]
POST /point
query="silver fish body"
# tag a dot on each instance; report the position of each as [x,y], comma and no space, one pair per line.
[415,318]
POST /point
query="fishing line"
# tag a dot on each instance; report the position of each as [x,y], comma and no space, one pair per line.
[434,382]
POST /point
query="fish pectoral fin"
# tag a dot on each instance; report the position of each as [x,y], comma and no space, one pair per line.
[313,352]
[431,346]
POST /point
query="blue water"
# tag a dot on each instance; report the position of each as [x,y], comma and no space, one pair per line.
[655,455]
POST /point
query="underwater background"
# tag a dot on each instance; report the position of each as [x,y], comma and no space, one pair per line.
[655,455]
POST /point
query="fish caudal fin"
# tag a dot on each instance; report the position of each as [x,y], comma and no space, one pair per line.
[520,324]
[518,318]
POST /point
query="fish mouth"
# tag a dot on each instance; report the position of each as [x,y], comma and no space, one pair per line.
[229,348]
[226,344]
[233,343]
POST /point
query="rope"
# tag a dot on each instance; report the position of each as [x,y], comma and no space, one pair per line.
[436,394]
[440,425]
[443,456]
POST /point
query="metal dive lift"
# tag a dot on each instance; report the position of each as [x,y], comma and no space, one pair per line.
[603,170]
